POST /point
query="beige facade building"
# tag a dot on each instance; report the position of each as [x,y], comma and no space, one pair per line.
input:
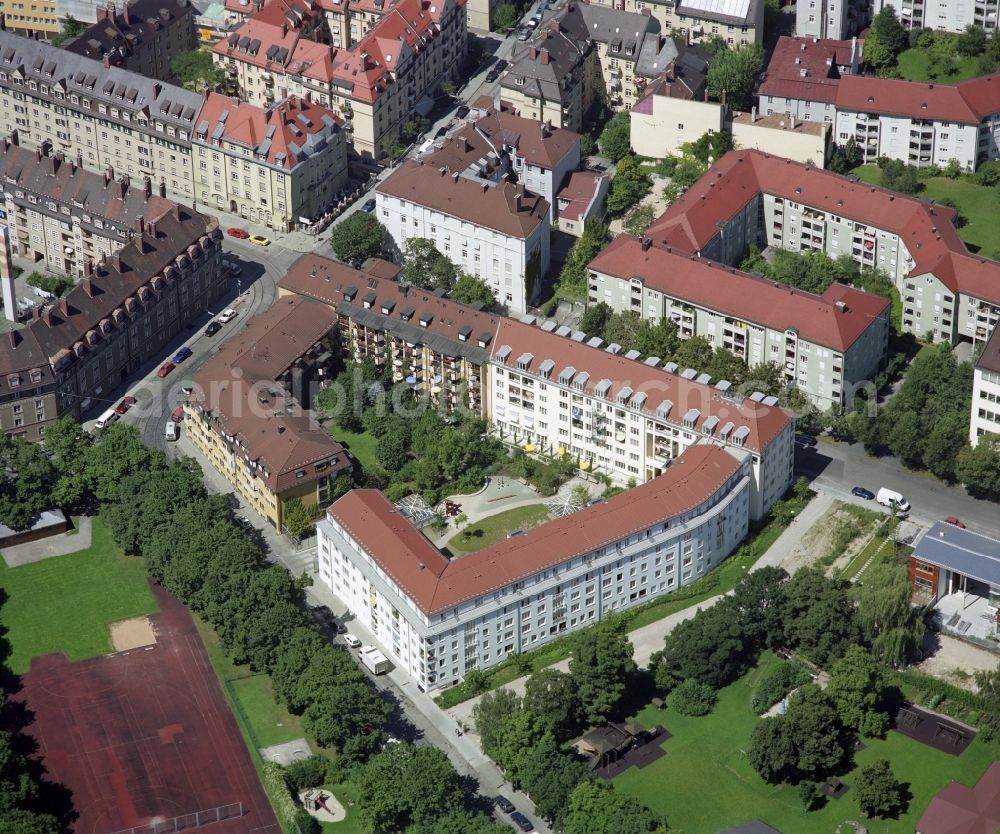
[278,167]
[247,416]
[61,215]
[436,345]
[74,354]
[27,18]
[805,142]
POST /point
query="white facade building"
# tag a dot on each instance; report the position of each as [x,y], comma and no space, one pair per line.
[828,18]
[945,15]
[985,417]
[496,231]
[438,618]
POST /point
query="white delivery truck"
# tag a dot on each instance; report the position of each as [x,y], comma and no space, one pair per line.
[376,662]
[172,431]
[106,419]
[888,497]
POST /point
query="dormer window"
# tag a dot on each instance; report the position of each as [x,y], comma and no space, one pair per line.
[13,381]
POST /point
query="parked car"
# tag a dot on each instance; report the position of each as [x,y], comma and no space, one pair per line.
[172,431]
[352,641]
[492,75]
[125,404]
[227,315]
[532,23]
[523,34]
[861,492]
[182,354]
[242,234]
[260,240]
[805,440]
[369,206]
[165,369]
[462,112]
[521,821]
[233,267]
[441,131]
[213,328]
[952,520]
[243,523]
[177,415]
[504,804]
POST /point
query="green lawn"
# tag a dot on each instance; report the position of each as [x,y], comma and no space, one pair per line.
[64,604]
[913,64]
[495,528]
[977,204]
[263,722]
[705,784]
[361,446]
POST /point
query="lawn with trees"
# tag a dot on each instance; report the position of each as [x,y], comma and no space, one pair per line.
[496,528]
[196,70]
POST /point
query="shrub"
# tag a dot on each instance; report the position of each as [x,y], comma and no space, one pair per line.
[692,698]
[776,685]
[306,773]
[306,823]
[56,284]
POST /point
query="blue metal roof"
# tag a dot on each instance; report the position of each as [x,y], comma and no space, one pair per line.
[963,551]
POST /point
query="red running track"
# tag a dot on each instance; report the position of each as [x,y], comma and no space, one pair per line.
[144,735]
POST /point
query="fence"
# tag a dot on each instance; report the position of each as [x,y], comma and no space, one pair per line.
[187,822]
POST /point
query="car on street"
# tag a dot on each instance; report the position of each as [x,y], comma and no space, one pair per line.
[952,520]
[227,315]
[523,33]
[242,234]
[213,328]
[492,75]
[233,267]
[521,821]
[441,131]
[260,240]
[182,354]
[532,23]
[352,641]
[806,440]
[243,523]
[369,206]
[861,492]
[165,369]
[504,804]
[177,415]
[462,112]
[125,404]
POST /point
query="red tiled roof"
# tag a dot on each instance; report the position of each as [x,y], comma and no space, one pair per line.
[926,229]
[958,809]
[794,56]
[437,584]
[763,422]
[578,189]
[896,97]
[816,317]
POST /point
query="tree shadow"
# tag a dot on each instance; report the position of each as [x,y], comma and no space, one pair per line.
[640,689]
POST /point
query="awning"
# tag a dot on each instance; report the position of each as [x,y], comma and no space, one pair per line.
[585,465]
[424,106]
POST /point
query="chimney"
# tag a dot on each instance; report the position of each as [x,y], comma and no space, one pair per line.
[138,225]
[646,243]
[545,56]
[15,138]
[107,62]
[669,72]
[163,188]
[88,267]
[13,338]
[753,113]
[88,287]
[3,22]
[284,29]
[79,159]
[723,102]
[148,183]
[54,164]
[454,177]
[38,154]
[156,89]
[109,174]
[791,122]
[532,53]
[125,16]
[116,262]
[151,229]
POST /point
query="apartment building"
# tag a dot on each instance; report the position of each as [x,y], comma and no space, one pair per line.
[802,141]
[674,109]
[26,18]
[438,618]
[945,15]
[827,344]
[985,416]
[737,22]
[278,167]
[74,354]
[749,197]
[437,346]
[556,75]
[60,215]
[559,394]
[803,75]
[830,18]
[494,143]
[373,63]
[144,37]
[247,416]
[497,231]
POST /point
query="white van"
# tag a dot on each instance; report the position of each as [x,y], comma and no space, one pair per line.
[172,432]
[106,419]
[888,497]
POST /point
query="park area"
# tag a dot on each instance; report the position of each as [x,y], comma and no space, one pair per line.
[705,784]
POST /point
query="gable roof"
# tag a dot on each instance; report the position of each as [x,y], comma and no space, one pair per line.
[437,584]
[958,809]
[897,97]
[806,68]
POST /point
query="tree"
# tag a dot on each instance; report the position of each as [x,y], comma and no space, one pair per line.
[692,698]
[628,186]
[505,16]
[392,148]
[549,776]
[516,737]
[709,146]
[858,689]
[978,468]
[358,238]
[424,266]
[406,784]
[600,667]
[71,28]
[298,519]
[27,480]
[552,697]
[597,808]
[819,616]
[615,140]
[20,821]
[468,289]
[573,275]
[897,175]
[639,219]
[195,70]
[772,751]
[816,731]
[595,318]
[733,73]
[489,714]
[971,42]
[458,822]
[886,39]
[889,623]
[877,791]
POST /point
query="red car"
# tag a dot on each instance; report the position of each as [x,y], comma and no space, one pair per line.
[243,234]
[177,414]
[952,520]
[165,369]
[125,404]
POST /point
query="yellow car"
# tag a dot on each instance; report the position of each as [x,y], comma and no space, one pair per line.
[257,240]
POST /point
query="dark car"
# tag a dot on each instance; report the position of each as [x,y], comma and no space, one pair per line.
[521,821]
[861,492]
[504,804]
[213,328]
[805,440]
[369,206]
[441,131]
[492,75]
[462,112]
[182,354]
